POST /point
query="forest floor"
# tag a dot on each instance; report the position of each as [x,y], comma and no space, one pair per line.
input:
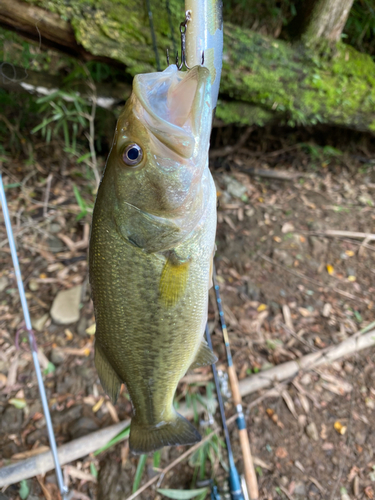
[288,290]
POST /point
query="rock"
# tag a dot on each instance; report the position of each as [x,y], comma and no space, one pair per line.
[39,435]
[11,420]
[326,310]
[234,188]
[8,450]
[283,257]
[55,228]
[284,481]
[55,244]
[65,307]
[252,291]
[82,427]
[3,283]
[33,285]
[318,247]
[4,366]
[300,489]
[306,379]
[81,327]
[57,356]
[38,323]
[312,431]
[287,228]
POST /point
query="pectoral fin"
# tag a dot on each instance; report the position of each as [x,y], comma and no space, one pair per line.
[204,356]
[146,231]
[173,280]
[108,377]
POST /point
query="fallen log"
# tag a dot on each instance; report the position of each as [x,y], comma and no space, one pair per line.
[264,79]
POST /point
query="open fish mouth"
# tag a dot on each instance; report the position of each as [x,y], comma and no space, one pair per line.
[176,106]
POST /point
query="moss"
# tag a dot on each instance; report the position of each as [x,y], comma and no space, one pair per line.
[242,113]
[119,29]
[291,83]
[298,84]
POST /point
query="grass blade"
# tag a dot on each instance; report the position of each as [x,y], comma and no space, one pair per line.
[120,437]
[139,472]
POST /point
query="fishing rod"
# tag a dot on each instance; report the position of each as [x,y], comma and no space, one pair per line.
[21,290]
[250,476]
[234,478]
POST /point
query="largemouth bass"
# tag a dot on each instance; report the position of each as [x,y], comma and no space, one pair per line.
[151,251]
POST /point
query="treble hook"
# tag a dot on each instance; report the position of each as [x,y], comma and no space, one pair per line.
[183,27]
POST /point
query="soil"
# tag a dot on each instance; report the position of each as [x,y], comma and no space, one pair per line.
[287,290]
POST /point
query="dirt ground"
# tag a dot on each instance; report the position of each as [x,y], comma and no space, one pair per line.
[288,290]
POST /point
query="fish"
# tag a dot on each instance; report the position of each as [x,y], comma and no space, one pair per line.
[151,251]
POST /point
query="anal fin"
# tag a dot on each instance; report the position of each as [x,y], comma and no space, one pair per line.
[108,377]
[204,356]
[173,280]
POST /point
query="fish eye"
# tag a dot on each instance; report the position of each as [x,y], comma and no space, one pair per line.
[132,154]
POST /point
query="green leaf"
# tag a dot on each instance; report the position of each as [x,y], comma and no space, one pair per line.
[51,368]
[182,494]
[84,157]
[120,437]
[93,470]
[18,403]
[139,472]
[24,490]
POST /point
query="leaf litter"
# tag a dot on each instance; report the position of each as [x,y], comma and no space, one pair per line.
[300,297]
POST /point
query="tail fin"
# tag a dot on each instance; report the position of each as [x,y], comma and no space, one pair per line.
[144,439]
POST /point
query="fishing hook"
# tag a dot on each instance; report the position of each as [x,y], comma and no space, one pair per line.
[183,27]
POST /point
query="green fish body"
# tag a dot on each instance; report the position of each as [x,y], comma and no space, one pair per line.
[151,251]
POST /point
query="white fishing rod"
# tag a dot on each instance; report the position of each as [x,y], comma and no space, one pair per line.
[21,290]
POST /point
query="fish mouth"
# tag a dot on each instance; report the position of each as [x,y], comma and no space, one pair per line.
[176,105]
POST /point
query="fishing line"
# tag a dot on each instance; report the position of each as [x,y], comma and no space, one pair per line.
[169,12]
[33,347]
[153,35]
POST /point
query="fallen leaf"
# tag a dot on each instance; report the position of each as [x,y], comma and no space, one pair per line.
[91,329]
[261,307]
[68,334]
[18,403]
[281,452]
[98,405]
[341,429]
[369,492]
[287,227]
[330,269]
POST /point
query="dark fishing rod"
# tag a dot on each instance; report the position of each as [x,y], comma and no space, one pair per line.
[250,476]
[234,478]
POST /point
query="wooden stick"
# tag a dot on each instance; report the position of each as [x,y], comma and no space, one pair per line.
[292,368]
[69,452]
[344,234]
